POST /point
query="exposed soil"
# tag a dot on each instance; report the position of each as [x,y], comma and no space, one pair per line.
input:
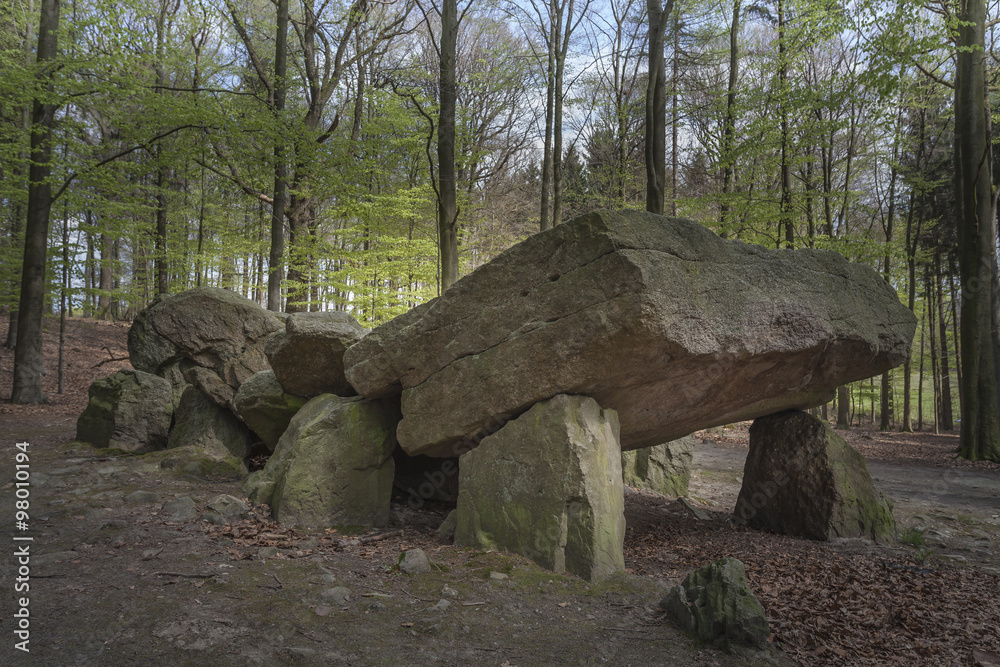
[115,582]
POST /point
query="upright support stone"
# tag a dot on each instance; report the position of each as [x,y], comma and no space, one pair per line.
[801,478]
[663,469]
[548,485]
[333,465]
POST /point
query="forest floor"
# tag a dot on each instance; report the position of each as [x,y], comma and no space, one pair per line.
[116,582]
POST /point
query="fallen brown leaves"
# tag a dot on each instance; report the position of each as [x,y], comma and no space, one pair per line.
[88,343]
[844,604]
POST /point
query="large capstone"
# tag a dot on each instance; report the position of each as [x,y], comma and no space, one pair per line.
[266,407]
[333,465]
[663,469]
[716,603]
[801,478]
[129,410]
[657,318]
[208,337]
[548,485]
[216,431]
[308,356]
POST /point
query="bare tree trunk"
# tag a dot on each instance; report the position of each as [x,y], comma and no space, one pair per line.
[656,107]
[911,299]
[729,125]
[920,375]
[785,221]
[550,74]
[63,293]
[843,407]
[675,116]
[956,329]
[935,376]
[28,357]
[947,420]
[447,196]
[160,241]
[277,249]
[980,433]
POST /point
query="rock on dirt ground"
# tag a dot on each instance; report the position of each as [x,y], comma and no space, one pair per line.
[116,582]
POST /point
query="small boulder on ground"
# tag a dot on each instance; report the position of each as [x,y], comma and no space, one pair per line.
[663,469]
[209,337]
[548,485]
[266,407]
[129,410]
[333,465]
[308,356]
[414,561]
[801,478]
[716,602]
[228,506]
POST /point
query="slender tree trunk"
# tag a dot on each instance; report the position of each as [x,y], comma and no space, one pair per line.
[656,107]
[947,420]
[935,375]
[447,196]
[277,250]
[28,357]
[786,223]
[565,25]
[550,74]
[18,210]
[956,331]
[63,294]
[911,300]
[980,433]
[160,241]
[729,124]
[88,272]
[920,375]
[843,407]
[675,115]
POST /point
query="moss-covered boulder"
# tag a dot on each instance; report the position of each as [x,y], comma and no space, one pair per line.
[332,466]
[266,407]
[663,469]
[801,478]
[548,485]
[716,603]
[214,430]
[129,411]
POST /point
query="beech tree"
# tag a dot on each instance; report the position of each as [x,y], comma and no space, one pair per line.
[28,359]
[976,201]
[656,106]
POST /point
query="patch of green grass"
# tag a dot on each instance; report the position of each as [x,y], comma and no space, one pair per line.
[914,536]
